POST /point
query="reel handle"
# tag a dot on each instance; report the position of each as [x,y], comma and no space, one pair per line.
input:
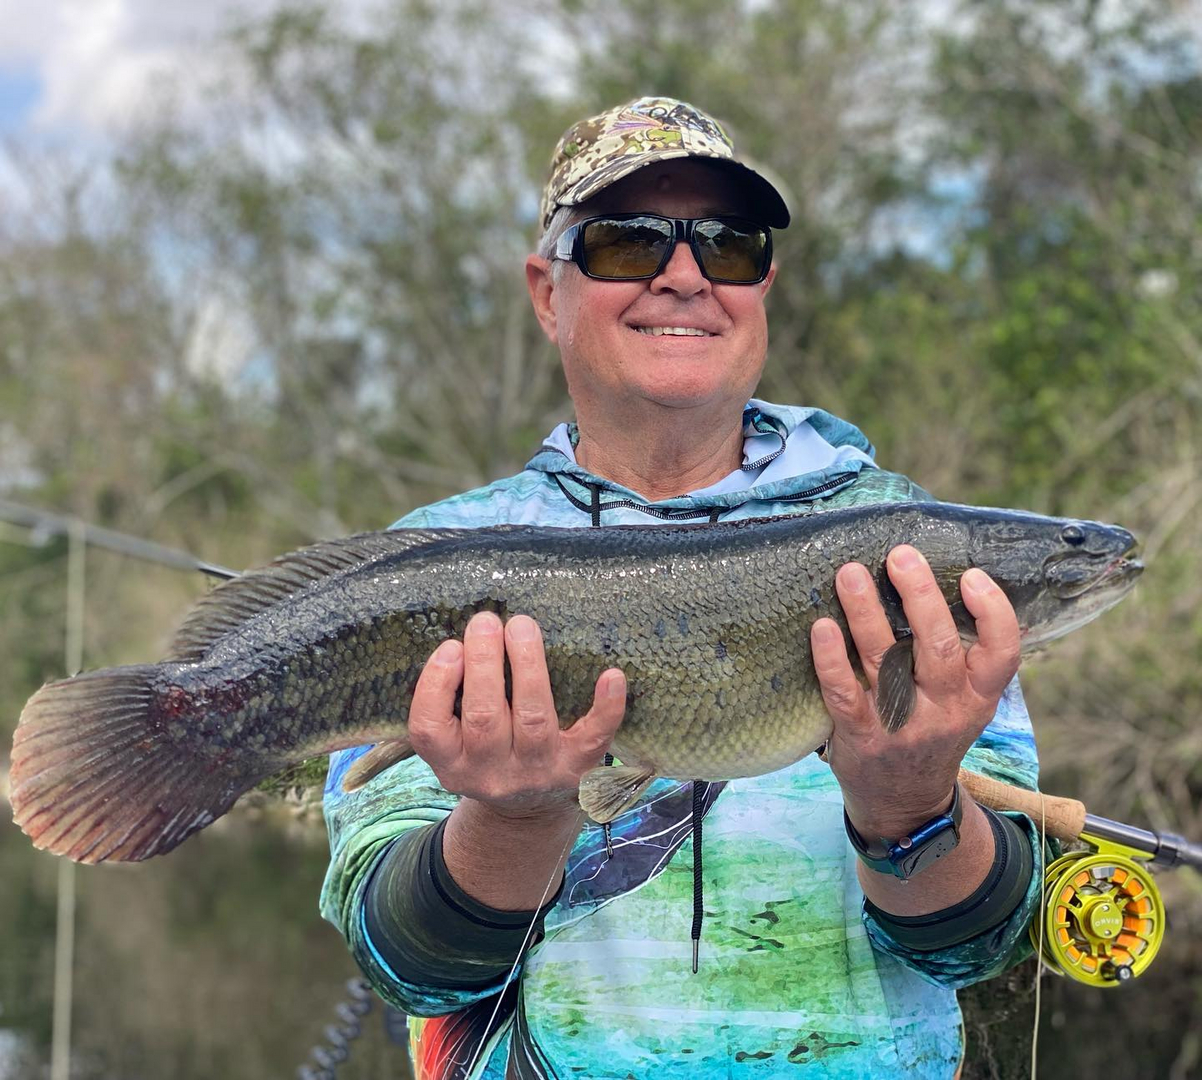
[1065,818]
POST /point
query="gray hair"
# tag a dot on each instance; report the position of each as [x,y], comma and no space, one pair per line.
[562,220]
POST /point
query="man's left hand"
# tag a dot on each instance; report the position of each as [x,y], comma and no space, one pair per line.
[895,782]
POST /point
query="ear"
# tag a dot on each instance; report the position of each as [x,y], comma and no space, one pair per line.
[766,284]
[541,288]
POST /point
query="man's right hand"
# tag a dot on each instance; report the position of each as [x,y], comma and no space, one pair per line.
[517,772]
[510,756]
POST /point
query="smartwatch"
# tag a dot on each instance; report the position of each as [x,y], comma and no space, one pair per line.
[913,853]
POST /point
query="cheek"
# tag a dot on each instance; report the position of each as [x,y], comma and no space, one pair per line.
[744,304]
[586,310]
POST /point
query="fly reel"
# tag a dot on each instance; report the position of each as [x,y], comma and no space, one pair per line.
[1102,918]
[1102,915]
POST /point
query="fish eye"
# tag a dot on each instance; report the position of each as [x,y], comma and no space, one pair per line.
[1073,534]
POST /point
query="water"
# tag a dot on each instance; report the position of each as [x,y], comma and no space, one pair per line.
[211,961]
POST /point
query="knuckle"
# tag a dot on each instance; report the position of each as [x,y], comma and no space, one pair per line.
[842,697]
[875,657]
[925,587]
[532,718]
[480,713]
[422,742]
[1010,658]
[946,647]
[593,745]
[480,653]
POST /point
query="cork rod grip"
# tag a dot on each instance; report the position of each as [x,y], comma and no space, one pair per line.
[1065,817]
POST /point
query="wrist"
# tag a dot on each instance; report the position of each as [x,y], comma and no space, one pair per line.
[546,810]
[504,860]
[916,849]
[890,821]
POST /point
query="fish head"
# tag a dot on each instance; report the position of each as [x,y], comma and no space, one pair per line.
[1059,574]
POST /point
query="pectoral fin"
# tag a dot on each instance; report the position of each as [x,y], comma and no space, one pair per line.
[375,761]
[607,791]
[895,687]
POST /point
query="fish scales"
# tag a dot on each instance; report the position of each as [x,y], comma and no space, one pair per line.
[736,612]
[322,650]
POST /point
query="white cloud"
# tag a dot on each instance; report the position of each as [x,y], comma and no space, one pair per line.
[98,60]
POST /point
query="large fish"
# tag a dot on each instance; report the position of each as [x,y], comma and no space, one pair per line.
[710,623]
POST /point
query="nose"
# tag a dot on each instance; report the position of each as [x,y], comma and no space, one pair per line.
[682,275]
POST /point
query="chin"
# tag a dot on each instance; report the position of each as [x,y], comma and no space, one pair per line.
[692,397]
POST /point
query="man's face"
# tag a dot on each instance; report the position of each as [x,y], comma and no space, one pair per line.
[601,327]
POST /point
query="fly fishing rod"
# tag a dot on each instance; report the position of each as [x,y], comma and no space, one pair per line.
[1102,915]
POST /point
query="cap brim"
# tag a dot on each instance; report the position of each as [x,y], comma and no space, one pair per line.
[770,206]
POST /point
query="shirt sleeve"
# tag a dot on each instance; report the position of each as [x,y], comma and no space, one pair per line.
[364,825]
[1005,751]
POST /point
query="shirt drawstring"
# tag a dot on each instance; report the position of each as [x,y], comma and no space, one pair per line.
[698,910]
[699,786]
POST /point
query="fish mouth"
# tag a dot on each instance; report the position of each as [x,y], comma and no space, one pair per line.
[1076,573]
[1125,566]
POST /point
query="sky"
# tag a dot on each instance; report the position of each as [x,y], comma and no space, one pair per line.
[84,68]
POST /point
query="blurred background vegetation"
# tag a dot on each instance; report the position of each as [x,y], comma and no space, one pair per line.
[299,312]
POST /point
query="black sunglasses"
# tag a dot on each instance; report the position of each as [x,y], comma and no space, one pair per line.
[631,247]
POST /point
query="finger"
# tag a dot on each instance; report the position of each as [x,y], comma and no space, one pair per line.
[844,697]
[866,620]
[938,653]
[535,725]
[433,727]
[487,733]
[993,660]
[589,738]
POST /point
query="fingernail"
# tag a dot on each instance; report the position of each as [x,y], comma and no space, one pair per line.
[826,633]
[907,558]
[446,653]
[856,579]
[522,628]
[614,686]
[977,581]
[486,623]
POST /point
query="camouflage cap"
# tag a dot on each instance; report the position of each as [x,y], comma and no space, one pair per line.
[596,152]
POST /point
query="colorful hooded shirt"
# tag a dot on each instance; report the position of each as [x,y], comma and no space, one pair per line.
[793,972]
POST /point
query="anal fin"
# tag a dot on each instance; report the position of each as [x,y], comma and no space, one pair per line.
[380,757]
[607,791]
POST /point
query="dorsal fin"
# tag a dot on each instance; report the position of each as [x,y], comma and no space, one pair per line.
[237,601]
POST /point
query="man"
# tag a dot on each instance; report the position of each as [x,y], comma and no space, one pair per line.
[826,943]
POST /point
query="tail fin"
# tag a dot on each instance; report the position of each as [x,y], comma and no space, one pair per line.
[95,774]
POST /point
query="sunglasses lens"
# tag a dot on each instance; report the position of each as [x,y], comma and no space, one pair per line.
[632,248]
[732,250]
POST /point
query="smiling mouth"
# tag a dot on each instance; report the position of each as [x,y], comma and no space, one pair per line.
[673,331]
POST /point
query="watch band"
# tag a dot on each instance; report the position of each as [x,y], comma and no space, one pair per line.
[980,915]
[909,854]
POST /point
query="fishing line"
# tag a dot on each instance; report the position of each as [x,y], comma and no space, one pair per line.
[559,865]
[1039,950]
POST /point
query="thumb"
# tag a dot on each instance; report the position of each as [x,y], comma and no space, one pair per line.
[844,697]
[589,738]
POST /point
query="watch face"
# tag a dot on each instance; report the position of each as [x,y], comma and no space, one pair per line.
[910,854]
[906,863]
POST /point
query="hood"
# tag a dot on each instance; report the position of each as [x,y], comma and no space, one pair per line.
[787,451]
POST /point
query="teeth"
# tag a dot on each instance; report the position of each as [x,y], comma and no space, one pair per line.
[678,331]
